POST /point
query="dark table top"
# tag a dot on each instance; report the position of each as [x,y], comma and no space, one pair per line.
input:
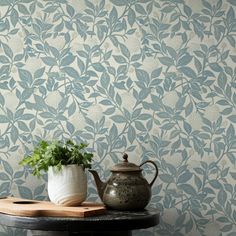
[113,220]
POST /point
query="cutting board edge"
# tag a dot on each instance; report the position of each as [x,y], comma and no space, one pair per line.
[94,209]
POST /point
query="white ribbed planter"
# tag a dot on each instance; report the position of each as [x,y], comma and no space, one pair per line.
[68,186]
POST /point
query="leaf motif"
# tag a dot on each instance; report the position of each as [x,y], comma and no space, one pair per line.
[50,61]
[166,178]
[167,61]
[124,50]
[187,127]
[39,189]
[189,72]
[120,59]
[98,67]
[67,60]
[39,73]
[7,167]
[187,10]
[215,67]
[71,72]
[70,10]
[142,75]
[186,59]
[5,188]
[233,175]
[232,2]
[215,184]
[25,192]
[118,119]
[131,134]
[185,177]
[4,177]
[22,9]
[14,134]
[188,189]
[7,50]
[131,17]
[168,126]
[231,40]
[119,2]
[4,3]
[4,60]
[3,119]
[206,4]
[232,118]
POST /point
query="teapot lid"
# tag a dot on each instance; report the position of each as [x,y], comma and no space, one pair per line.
[125,166]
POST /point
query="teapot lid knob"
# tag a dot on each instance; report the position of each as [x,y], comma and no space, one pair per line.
[125,166]
[125,157]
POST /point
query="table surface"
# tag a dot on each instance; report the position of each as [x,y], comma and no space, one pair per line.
[113,220]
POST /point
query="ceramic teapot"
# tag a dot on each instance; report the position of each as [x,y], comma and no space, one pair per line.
[126,189]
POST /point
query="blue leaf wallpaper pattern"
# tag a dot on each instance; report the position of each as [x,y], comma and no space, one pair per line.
[153,78]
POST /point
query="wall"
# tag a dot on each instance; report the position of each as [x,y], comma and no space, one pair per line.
[155,79]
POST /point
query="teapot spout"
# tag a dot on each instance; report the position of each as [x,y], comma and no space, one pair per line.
[99,184]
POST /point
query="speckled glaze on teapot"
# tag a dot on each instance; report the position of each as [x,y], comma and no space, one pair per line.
[126,189]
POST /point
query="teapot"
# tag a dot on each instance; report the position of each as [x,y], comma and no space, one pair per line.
[126,189]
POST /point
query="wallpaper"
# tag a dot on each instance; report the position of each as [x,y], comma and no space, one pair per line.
[153,78]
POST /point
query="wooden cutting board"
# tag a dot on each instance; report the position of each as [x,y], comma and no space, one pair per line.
[25,207]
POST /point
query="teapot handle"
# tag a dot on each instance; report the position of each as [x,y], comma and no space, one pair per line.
[156,168]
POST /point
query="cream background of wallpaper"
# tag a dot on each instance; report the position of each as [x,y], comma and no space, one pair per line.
[183,147]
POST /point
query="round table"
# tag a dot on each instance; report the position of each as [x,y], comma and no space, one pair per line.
[113,223]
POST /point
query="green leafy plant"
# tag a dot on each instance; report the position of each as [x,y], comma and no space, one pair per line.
[57,154]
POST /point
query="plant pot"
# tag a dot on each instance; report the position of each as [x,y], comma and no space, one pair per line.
[67,186]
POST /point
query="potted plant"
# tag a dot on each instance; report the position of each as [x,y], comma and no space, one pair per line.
[65,164]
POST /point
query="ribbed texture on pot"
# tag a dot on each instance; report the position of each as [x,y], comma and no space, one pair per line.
[67,186]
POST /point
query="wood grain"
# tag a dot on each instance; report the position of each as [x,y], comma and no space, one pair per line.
[25,207]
